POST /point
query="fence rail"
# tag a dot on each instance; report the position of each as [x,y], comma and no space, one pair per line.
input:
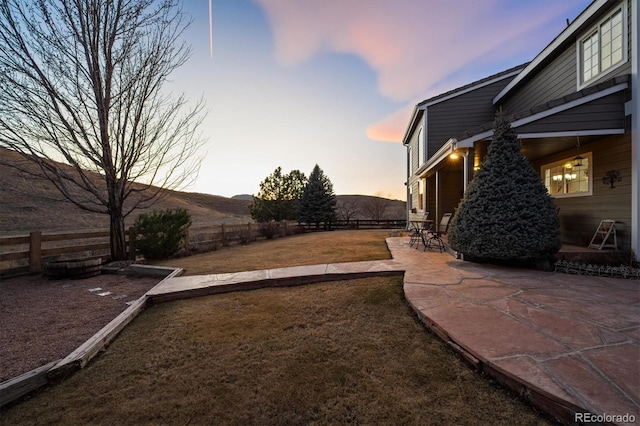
[361,224]
[28,253]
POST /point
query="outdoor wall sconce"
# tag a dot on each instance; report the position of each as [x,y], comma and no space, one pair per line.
[611,177]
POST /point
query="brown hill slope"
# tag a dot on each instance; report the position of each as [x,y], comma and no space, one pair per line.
[29,204]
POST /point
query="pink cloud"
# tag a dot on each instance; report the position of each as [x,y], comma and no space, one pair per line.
[392,127]
[413,45]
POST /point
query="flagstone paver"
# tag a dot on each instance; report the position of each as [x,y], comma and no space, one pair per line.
[569,344]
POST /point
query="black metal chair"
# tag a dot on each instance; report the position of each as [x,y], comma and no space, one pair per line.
[416,229]
[434,238]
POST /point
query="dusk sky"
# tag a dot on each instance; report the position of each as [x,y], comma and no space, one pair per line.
[293,83]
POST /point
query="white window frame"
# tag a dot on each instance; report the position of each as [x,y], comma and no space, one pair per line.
[421,146]
[588,156]
[597,30]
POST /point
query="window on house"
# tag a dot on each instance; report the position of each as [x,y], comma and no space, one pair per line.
[410,161]
[602,48]
[421,194]
[420,147]
[569,177]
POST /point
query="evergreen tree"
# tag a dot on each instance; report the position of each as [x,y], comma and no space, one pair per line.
[318,202]
[506,212]
[279,196]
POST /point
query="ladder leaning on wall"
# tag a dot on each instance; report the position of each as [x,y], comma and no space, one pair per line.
[605,231]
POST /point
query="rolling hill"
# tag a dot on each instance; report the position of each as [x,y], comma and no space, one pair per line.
[31,204]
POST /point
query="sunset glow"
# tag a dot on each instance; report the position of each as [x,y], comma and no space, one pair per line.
[295,83]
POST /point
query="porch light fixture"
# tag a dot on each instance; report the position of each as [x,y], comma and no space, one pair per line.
[454,156]
[611,177]
[577,160]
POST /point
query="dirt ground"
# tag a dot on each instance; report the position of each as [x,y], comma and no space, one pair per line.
[42,320]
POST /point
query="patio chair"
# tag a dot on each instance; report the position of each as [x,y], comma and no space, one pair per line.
[434,238]
[416,229]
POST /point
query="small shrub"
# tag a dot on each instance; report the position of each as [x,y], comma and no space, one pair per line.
[160,233]
[269,229]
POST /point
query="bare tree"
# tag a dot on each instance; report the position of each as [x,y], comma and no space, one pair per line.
[82,84]
[348,209]
[376,207]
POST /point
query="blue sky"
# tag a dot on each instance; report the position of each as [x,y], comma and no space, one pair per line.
[293,83]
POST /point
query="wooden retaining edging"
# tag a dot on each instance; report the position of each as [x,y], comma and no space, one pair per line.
[20,386]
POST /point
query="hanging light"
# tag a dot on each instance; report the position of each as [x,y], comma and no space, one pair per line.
[577,160]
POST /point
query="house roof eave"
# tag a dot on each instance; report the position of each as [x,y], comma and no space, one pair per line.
[437,157]
[616,84]
[412,124]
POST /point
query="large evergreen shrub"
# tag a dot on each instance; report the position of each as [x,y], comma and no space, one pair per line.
[506,212]
[160,233]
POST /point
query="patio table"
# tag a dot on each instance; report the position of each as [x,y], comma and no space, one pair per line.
[418,229]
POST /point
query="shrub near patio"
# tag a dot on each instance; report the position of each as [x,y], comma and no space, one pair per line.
[507,213]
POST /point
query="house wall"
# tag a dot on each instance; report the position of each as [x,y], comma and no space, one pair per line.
[558,77]
[604,113]
[452,117]
[412,179]
[580,216]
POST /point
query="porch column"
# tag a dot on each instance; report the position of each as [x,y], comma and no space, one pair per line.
[465,171]
[437,216]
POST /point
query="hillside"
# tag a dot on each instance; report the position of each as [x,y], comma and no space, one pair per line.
[29,204]
[34,204]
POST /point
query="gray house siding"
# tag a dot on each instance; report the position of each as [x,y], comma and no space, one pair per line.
[552,82]
[560,76]
[604,113]
[451,117]
[580,216]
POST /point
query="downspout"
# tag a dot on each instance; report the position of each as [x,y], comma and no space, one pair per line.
[406,184]
[634,110]
[437,218]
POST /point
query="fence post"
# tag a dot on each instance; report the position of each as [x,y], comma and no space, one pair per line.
[186,240]
[132,243]
[224,236]
[35,251]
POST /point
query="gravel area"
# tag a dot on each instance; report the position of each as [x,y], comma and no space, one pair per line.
[42,320]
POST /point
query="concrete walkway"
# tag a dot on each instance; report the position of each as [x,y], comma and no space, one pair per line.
[569,344]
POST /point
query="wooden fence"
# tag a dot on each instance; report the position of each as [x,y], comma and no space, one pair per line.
[361,224]
[28,253]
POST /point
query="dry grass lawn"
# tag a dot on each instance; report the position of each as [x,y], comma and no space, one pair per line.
[331,353]
[305,249]
[348,352]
